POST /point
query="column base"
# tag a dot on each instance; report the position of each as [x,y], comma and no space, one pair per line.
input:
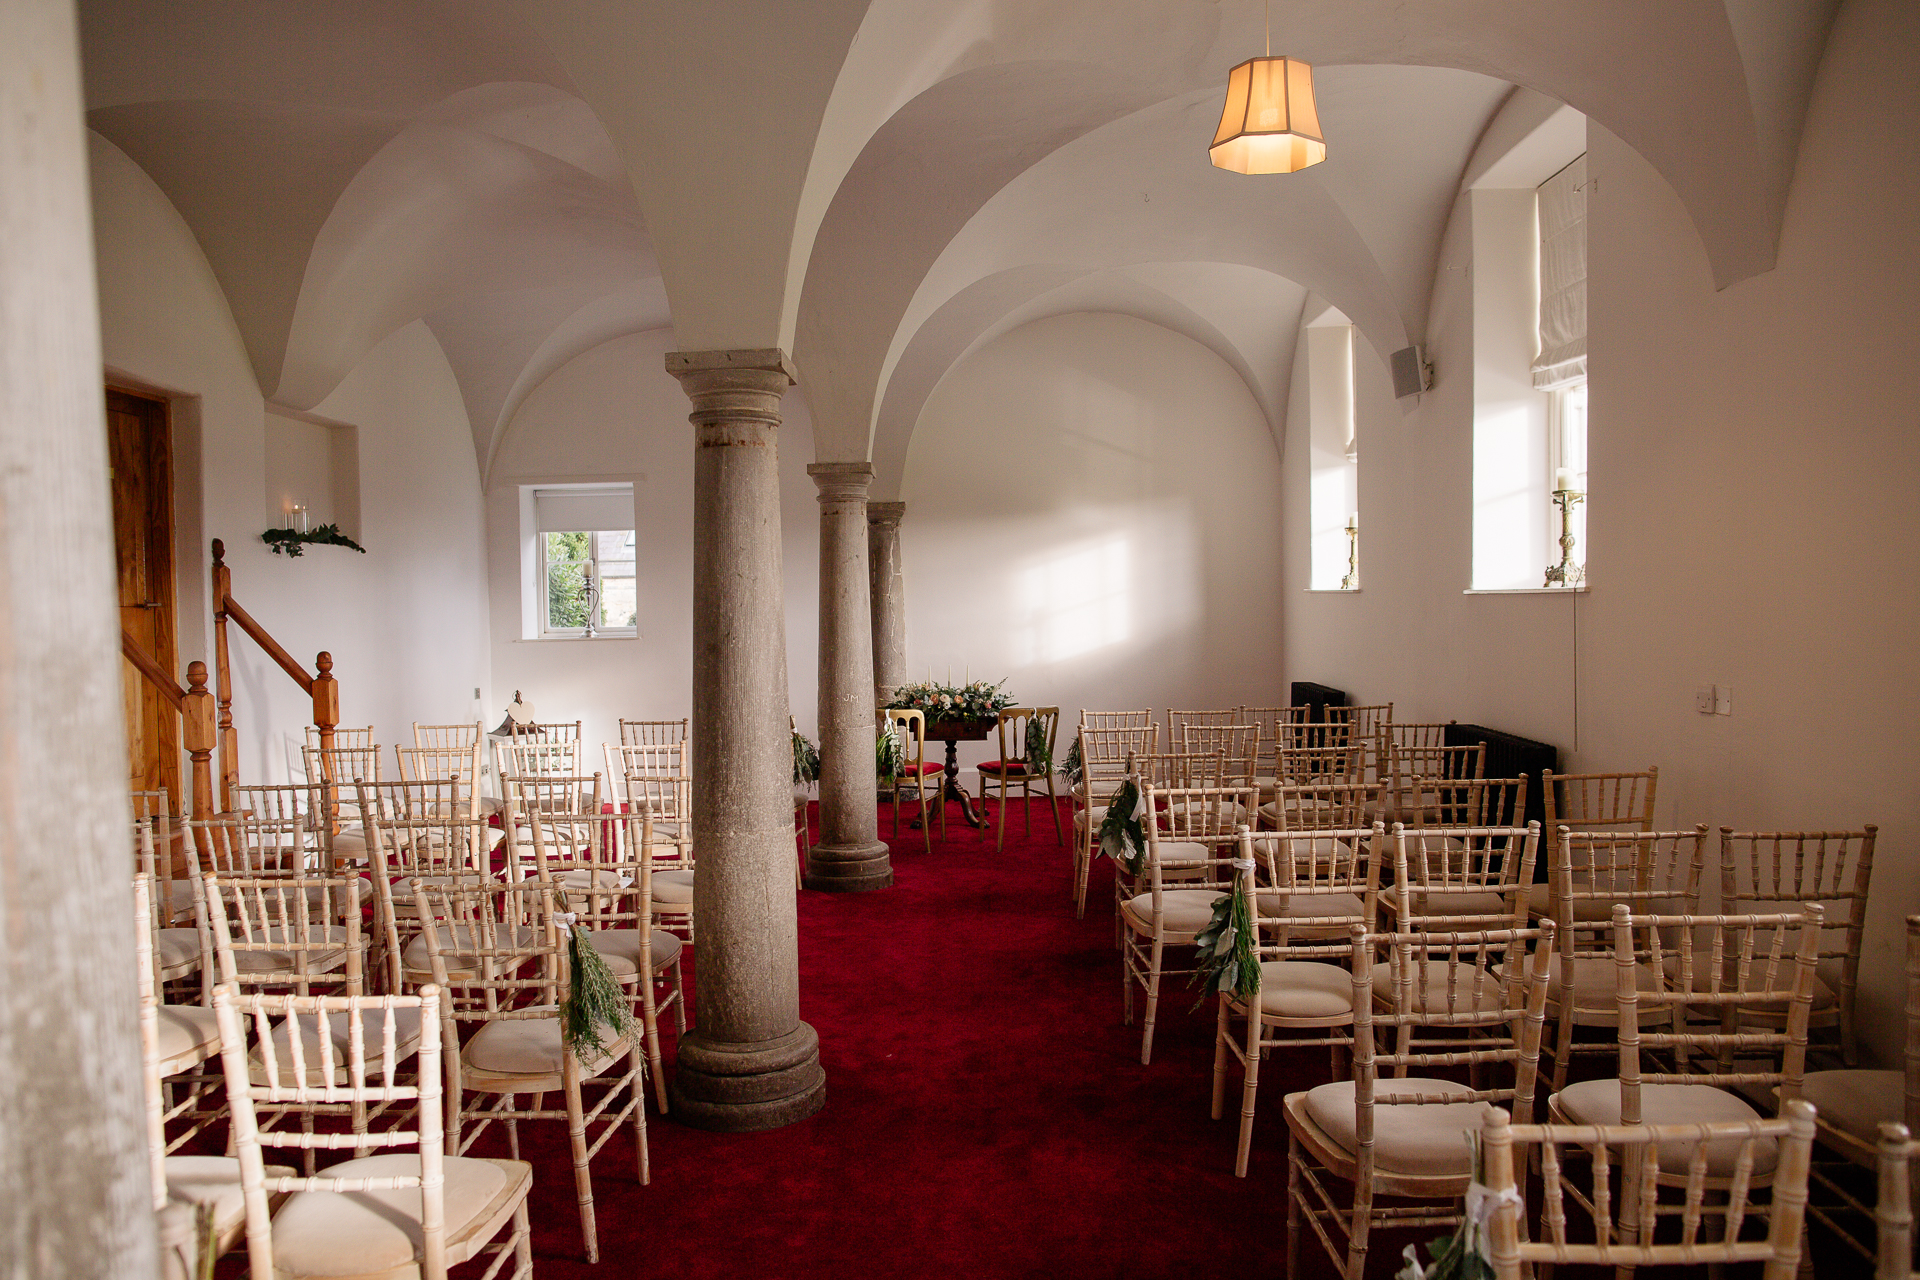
[849,868]
[745,1088]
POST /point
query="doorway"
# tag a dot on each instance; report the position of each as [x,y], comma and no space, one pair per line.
[140,470]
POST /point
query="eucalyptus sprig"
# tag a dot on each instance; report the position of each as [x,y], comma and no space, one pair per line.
[806,761]
[594,999]
[1227,961]
[1071,767]
[1122,837]
[886,751]
[1039,754]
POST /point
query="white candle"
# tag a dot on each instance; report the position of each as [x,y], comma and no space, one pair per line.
[1562,480]
[1353,524]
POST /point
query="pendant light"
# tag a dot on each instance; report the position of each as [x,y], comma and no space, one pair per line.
[1270,123]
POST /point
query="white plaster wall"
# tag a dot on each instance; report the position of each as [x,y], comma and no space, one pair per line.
[1755,455]
[1093,514]
[404,622]
[615,414]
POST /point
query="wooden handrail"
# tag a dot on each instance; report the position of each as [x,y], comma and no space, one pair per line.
[323,688]
[150,667]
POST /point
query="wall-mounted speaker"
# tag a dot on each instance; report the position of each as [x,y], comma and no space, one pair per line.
[1411,372]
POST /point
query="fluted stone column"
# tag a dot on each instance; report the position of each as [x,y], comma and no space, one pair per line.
[888,591]
[750,1062]
[850,857]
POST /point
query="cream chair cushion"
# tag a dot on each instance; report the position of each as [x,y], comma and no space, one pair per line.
[1473,902]
[1443,986]
[621,949]
[1309,906]
[213,1182]
[673,890]
[1305,989]
[178,951]
[360,1233]
[530,1047]
[417,959]
[1598,1102]
[1857,1102]
[188,1034]
[1423,1140]
[1183,911]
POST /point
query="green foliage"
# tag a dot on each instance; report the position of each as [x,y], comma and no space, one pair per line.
[291,542]
[806,761]
[1227,960]
[1071,768]
[886,752]
[1039,754]
[594,999]
[568,555]
[1122,838]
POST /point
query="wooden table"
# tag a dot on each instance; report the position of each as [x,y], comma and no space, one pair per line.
[954,732]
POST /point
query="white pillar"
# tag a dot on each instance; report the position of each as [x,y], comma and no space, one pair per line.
[74,1193]
[750,1062]
[850,857]
[888,588]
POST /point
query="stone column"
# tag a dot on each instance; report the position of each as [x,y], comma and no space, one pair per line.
[888,590]
[850,857]
[749,1063]
[75,1198]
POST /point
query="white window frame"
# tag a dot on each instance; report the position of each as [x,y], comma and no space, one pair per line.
[550,632]
[534,565]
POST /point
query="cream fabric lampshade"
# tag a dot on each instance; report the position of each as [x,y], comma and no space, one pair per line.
[1270,124]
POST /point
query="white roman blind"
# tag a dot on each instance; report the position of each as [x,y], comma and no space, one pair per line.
[583,508]
[1562,201]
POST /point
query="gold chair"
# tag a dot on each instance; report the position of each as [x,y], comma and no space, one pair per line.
[911,764]
[1589,802]
[1779,870]
[1104,750]
[373,1217]
[1404,1136]
[1316,888]
[1709,1232]
[659,780]
[1155,915]
[1014,768]
[499,954]
[1461,877]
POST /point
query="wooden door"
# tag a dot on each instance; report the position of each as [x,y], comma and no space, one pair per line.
[140,455]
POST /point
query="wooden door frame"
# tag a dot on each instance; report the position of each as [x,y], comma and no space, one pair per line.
[161,574]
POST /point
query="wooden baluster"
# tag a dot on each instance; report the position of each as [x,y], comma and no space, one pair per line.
[326,715]
[197,732]
[229,738]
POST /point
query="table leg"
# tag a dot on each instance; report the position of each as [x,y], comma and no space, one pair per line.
[950,789]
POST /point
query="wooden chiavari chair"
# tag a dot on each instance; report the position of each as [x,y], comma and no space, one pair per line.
[1590,802]
[449,737]
[1404,1136]
[331,773]
[654,733]
[1304,895]
[659,780]
[1893,1213]
[1239,743]
[1013,769]
[1709,1230]
[1461,877]
[1178,720]
[1778,870]
[1367,727]
[382,1216]
[1104,752]
[175,1039]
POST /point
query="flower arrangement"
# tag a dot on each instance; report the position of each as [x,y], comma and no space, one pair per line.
[975,700]
[290,542]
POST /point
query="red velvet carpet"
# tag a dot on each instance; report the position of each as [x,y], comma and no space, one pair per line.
[987,1113]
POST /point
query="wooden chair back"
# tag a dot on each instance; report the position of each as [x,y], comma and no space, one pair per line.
[1413,734]
[1893,1211]
[536,757]
[562,810]
[1239,743]
[653,733]
[1339,804]
[1207,816]
[1104,720]
[1462,877]
[1780,870]
[1103,755]
[419,764]
[449,737]
[344,739]
[368,1079]
[551,731]
[261,840]
[493,947]
[1302,765]
[1012,735]
[1303,873]
[1621,1215]
[1177,720]
[1596,802]
[1270,721]
[287,931]
[1367,726]
[1181,769]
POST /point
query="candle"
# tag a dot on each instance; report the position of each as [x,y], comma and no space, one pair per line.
[1562,480]
[1353,524]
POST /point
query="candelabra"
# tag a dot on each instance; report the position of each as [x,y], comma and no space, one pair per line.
[592,593]
[1569,572]
[1352,581]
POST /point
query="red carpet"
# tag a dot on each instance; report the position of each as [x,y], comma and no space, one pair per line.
[986,1115]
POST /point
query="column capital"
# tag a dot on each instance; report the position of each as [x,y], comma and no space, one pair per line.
[760,359]
[842,481]
[886,512]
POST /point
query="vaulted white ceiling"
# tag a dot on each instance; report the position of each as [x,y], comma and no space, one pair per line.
[881,186]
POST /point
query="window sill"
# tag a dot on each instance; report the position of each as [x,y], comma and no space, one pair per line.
[1333,591]
[618,635]
[1524,591]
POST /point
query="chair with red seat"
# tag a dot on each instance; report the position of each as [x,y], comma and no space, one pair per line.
[910,766]
[1022,730]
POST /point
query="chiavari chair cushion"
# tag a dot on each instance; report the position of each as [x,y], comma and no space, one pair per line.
[417,960]
[1314,906]
[324,959]
[375,1233]
[672,890]
[1856,1101]
[1469,903]
[1304,989]
[1598,1102]
[1184,912]
[531,1047]
[579,881]
[188,1036]
[178,952]
[620,948]
[339,1029]
[213,1182]
[1420,1139]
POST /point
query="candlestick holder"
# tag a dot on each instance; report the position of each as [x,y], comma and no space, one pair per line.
[1568,573]
[1352,581]
[592,594]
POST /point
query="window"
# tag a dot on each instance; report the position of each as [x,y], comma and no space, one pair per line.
[1560,366]
[584,549]
[1333,497]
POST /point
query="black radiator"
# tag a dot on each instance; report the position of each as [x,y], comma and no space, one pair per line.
[1318,696]
[1510,756]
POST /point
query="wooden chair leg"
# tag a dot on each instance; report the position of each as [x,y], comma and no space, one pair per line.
[582,1174]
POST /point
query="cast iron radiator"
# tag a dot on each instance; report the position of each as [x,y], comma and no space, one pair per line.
[1510,756]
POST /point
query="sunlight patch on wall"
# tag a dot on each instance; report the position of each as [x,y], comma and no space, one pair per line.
[1073,601]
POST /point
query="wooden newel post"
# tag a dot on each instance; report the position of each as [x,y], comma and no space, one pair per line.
[326,715]
[197,732]
[229,739]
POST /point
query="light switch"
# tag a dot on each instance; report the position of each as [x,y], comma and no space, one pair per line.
[1703,699]
[1723,700]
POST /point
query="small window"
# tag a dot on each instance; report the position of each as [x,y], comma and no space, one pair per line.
[584,544]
